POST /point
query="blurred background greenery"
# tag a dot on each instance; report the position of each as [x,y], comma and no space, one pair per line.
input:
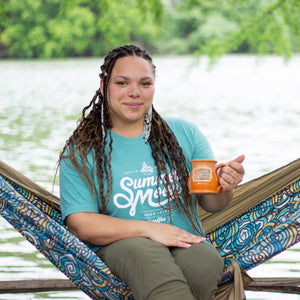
[72,28]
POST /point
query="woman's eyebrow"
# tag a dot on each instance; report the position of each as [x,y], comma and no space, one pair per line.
[127,78]
[122,77]
[146,78]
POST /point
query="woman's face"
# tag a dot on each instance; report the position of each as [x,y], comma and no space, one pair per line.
[130,94]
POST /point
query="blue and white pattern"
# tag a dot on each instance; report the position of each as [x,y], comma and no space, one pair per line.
[44,229]
[265,230]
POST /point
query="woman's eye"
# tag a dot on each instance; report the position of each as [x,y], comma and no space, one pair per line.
[147,83]
[121,83]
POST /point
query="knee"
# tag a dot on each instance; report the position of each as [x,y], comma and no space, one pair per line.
[212,262]
[210,265]
[201,259]
[202,266]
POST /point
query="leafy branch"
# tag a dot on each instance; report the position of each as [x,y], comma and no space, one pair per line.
[269,31]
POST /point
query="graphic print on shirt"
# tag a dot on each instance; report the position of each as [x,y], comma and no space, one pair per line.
[139,194]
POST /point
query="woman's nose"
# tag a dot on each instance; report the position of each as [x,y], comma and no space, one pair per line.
[134,91]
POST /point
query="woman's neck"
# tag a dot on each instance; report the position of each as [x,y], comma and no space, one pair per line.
[129,131]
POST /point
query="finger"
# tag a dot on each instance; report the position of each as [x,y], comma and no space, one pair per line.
[227,186]
[192,238]
[240,159]
[179,235]
[186,244]
[237,161]
[236,165]
[197,240]
[228,178]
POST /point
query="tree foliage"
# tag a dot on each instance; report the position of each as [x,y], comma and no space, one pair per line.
[261,26]
[54,28]
[58,28]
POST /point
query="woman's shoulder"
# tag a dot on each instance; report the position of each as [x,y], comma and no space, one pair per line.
[193,142]
[179,124]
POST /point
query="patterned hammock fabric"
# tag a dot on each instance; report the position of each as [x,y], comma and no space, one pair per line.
[251,237]
[263,231]
[42,226]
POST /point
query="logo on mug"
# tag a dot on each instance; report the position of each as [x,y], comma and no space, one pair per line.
[202,174]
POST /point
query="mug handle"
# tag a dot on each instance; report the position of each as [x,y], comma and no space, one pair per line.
[218,166]
[221,165]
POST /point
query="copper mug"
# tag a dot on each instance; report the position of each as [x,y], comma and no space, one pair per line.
[204,176]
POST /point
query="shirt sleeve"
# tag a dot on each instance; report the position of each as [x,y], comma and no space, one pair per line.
[202,148]
[191,139]
[75,196]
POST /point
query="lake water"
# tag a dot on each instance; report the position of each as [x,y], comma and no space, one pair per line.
[244,105]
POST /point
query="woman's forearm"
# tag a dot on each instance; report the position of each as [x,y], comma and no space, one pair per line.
[215,202]
[99,229]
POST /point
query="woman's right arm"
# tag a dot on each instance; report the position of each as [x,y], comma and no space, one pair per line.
[99,229]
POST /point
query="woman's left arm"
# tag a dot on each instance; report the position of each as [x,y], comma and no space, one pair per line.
[229,177]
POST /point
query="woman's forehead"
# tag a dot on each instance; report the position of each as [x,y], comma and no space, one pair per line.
[133,65]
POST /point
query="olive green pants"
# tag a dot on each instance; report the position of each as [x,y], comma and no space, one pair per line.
[154,271]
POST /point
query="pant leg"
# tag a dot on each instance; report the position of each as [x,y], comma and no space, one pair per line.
[202,266]
[148,268]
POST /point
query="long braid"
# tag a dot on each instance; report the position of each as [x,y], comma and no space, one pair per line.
[93,134]
[167,151]
[89,137]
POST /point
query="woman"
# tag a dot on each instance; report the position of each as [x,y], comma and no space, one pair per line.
[123,182]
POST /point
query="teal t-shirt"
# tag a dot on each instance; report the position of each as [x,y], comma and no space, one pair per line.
[135,194]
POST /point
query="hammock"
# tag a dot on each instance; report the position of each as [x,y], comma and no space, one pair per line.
[262,220]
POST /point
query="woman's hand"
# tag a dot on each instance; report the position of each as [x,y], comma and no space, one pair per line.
[171,236]
[231,175]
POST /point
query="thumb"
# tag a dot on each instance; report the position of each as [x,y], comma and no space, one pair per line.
[240,159]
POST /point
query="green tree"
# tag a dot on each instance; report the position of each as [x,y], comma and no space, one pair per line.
[260,26]
[54,28]
[37,28]
[215,27]
[186,27]
[126,21]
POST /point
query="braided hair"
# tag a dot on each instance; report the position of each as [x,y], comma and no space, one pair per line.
[93,135]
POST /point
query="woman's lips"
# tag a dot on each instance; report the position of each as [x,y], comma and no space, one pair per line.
[133,105]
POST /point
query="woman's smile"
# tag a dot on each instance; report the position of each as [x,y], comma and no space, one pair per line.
[133,105]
